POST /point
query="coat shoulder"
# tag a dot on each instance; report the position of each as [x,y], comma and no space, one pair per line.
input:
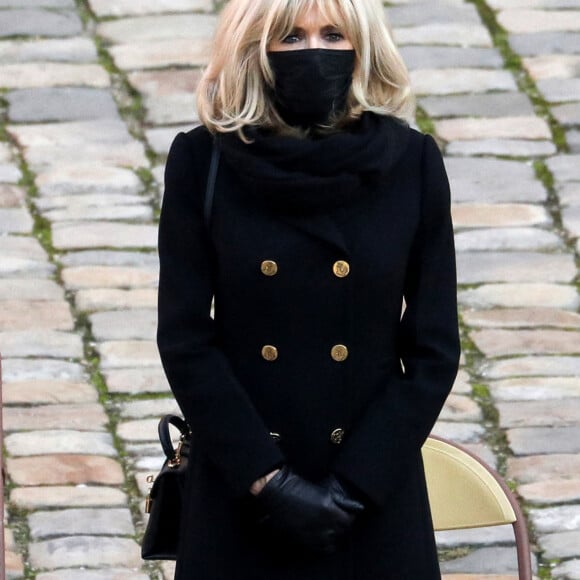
[416,142]
[196,144]
[423,149]
[188,164]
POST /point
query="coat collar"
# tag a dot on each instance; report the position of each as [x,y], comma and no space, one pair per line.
[298,176]
[303,181]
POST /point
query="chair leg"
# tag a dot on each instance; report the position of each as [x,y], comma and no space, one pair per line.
[523,547]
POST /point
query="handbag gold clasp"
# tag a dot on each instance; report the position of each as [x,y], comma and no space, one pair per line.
[176,461]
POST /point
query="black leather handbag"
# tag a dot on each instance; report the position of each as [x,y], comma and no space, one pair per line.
[165,500]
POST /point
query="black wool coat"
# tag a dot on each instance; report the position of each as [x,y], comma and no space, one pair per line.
[314,246]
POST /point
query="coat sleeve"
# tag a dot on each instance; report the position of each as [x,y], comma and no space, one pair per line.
[222,417]
[387,439]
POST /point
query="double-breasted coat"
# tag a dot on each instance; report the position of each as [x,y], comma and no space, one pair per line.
[308,360]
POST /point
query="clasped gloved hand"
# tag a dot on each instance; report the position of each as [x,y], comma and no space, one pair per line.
[310,514]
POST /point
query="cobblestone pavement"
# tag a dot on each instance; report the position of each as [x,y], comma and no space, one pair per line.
[93,92]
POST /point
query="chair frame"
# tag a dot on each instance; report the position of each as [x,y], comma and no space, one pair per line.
[519,525]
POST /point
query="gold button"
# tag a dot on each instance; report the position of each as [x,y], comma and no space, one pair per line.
[339,352]
[275,436]
[341,269]
[269,268]
[270,353]
[337,436]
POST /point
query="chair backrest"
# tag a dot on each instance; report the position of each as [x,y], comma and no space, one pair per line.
[464,492]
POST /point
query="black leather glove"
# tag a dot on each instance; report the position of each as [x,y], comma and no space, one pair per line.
[344,495]
[309,514]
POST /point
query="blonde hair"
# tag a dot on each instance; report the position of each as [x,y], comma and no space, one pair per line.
[235,89]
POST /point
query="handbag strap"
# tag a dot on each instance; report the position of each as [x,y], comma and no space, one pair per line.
[211,180]
[165,435]
[163,427]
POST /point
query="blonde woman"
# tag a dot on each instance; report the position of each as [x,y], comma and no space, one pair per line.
[308,395]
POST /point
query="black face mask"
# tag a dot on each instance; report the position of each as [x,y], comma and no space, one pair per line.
[312,85]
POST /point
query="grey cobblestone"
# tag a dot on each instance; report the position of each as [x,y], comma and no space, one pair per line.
[569,570]
[41,343]
[11,195]
[37,4]
[90,551]
[545,315]
[484,561]
[42,369]
[536,389]
[543,467]
[137,380]
[509,104]
[417,57]
[498,215]
[479,267]
[558,90]
[545,42]
[40,312]
[518,295]
[502,147]
[129,353]
[507,239]
[573,138]
[147,7]
[9,173]
[63,441]
[124,325]
[539,440]
[455,34]
[562,545]
[556,519]
[526,366]
[460,80]
[41,392]
[44,75]
[65,469]
[75,522]
[68,496]
[60,104]
[84,177]
[39,22]
[81,417]
[115,257]
[105,574]
[77,49]
[109,277]
[524,21]
[502,128]
[151,28]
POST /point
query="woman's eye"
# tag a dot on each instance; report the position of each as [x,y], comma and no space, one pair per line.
[334,37]
[291,39]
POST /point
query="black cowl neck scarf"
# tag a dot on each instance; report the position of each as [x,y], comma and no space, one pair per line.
[304,175]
